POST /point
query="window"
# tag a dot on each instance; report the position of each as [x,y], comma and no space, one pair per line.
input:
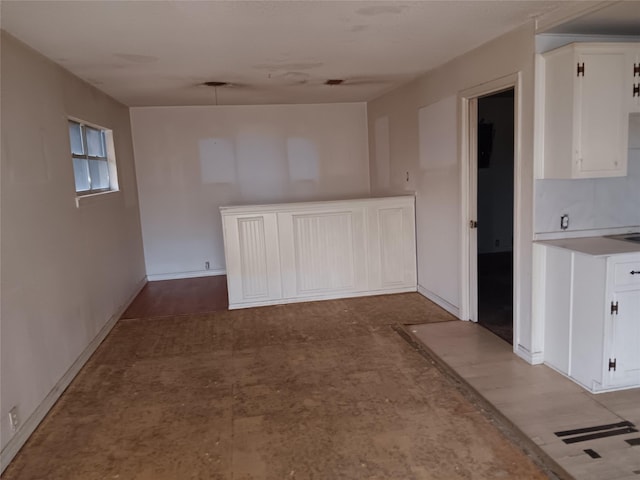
[93,159]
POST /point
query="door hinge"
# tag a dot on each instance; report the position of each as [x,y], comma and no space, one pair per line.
[580,69]
[612,364]
[614,308]
[473,224]
[636,69]
[636,90]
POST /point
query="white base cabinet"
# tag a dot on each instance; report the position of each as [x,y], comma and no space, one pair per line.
[592,317]
[319,250]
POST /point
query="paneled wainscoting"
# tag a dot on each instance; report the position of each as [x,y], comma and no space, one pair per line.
[319,250]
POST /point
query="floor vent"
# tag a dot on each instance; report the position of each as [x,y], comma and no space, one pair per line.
[599,431]
[592,453]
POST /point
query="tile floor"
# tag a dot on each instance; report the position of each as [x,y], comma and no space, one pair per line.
[539,401]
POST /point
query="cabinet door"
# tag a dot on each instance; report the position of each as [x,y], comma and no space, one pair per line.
[633,69]
[601,114]
[391,246]
[322,252]
[625,340]
[253,261]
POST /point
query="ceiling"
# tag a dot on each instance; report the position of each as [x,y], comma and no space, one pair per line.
[160,52]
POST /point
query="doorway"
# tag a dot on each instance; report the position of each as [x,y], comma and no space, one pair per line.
[494,174]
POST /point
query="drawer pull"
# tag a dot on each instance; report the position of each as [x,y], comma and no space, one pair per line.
[635,272]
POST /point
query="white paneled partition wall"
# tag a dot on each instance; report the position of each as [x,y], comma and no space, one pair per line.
[319,250]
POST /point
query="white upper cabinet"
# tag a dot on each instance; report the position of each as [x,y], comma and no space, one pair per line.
[588,94]
[635,87]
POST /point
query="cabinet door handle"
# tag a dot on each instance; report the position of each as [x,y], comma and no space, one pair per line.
[635,272]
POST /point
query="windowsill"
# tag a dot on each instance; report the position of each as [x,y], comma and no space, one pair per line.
[82,200]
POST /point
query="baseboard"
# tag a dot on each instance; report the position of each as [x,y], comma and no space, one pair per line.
[534,358]
[452,309]
[176,276]
[16,442]
[315,298]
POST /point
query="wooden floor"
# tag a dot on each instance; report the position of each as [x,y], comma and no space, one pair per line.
[540,402]
[321,390]
[180,297]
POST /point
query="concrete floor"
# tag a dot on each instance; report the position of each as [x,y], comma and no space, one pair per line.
[323,390]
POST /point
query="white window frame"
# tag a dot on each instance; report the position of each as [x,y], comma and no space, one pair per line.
[109,158]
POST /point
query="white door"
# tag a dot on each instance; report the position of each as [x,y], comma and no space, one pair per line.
[469,185]
[491,189]
[473,209]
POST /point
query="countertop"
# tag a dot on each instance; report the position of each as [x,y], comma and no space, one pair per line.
[596,246]
[314,205]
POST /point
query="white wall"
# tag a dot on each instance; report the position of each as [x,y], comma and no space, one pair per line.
[593,204]
[438,203]
[191,160]
[66,271]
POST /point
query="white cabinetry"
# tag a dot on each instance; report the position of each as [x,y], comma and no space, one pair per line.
[319,250]
[635,86]
[592,317]
[255,262]
[624,335]
[588,94]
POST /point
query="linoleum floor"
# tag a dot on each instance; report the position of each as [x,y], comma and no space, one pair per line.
[540,402]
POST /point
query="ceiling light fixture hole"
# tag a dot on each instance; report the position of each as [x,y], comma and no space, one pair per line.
[215,84]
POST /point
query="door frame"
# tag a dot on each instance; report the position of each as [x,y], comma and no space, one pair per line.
[468,101]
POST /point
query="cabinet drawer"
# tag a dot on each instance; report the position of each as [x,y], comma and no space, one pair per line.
[627,274]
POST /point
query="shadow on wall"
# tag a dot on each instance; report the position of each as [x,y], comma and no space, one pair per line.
[260,167]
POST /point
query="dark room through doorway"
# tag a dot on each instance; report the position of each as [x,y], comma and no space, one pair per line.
[495,199]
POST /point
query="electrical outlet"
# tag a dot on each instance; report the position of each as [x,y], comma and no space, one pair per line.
[564,221]
[206,265]
[14,420]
